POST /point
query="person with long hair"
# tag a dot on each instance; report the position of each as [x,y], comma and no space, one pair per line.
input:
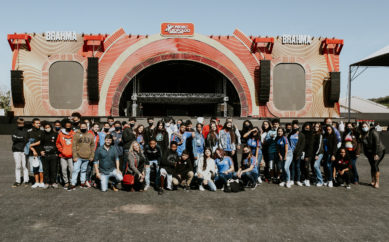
[343,166]
[271,146]
[225,168]
[330,148]
[350,140]
[374,150]
[136,166]
[253,140]
[247,126]
[317,152]
[212,140]
[248,170]
[308,149]
[161,136]
[284,157]
[198,144]
[297,143]
[140,135]
[206,170]
[266,127]
[227,140]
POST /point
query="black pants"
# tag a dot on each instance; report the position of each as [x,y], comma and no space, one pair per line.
[50,167]
[344,178]
[305,167]
[374,163]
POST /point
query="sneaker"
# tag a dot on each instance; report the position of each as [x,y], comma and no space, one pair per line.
[26,184]
[71,188]
[146,187]
[307,183]
[187,188]
[87,184]
[330,184]
[348,187]
[253,186]
[55,185]
[289,184]
[319,184]
[259,180]
[45,186]
[160,191]
[41,185]
[201,188]
[299,184]
[281,184]
[83,185]
[114,188]
[36,184]
[66,186]
[16,184]
[342,185]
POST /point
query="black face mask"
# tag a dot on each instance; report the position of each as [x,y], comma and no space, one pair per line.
[57,128]
[106,130]
[295,130]
[76,123]
[68,129]
[347,130]
[21,128]
[118,128]
[132,125]
[151,123]
[83,130]
[288,130]
[245,155]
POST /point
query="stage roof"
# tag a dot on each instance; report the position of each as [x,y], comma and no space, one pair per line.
[379,58]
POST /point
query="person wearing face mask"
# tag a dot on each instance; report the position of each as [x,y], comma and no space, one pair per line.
[350,142]
[227,140]
[149,130]
[34,136]
[161,136]
[128,136]
[330,148]
[95,132]
[132,123]
[83,153]
[246,129]
[104,132]
[328,121]
[248,170]
[19,140]
[374,150]
[271,146]
[76,118]
[288,129]
[49,156]
[111,122]
[64,145]
[198,144]
[57,126]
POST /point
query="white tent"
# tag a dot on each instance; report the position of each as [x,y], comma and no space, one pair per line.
[361,105]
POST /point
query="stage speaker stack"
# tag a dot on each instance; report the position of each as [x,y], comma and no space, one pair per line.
[17,87]
[264,81]
[334,87]
[93,79]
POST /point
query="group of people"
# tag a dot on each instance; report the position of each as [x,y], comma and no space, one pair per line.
[172,153]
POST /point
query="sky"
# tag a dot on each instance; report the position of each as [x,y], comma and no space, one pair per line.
[362,24]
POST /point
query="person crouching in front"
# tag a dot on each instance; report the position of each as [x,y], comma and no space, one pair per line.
[343,167]
[183,173]
[107,164]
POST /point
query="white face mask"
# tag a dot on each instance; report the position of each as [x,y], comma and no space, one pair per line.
[365,129]
[48,130]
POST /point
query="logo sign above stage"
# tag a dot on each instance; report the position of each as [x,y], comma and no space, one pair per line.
[295,39]
[177,29]
[60,36]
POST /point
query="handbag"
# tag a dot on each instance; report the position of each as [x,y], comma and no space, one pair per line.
[129,179]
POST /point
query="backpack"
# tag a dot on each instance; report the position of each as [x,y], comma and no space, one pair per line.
[234,185]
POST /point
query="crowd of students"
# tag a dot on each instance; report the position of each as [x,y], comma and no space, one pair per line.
[170,154]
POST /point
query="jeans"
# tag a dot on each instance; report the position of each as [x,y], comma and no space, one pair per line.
[285,176]
[250,176]
[66,163]
[259,159]
[319,177]
[20,163]
[79,166]
[295,173]
[169,177]
[148,169]
[211,185]
[354,169]
[105,177]
[269,163]
[50,167]
[222,178]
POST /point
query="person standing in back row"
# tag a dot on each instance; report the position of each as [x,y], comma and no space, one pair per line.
[65,149]
[19,140]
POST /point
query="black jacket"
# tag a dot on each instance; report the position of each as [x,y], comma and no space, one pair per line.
[372,143]
[308,147]
[152,154]
[182,168]
[35,134]
[317,144]
[48,143]
[19,140]
[298,151]
[169,161]
[162,139]
[148,134]
[127,138]
[332,144]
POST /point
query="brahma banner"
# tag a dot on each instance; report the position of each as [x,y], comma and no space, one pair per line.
[177,29]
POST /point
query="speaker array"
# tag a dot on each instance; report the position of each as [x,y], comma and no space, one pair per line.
[93,79]
[17,87]
[264,81]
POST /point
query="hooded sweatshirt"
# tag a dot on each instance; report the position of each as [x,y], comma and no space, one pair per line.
[65,143]
[83,145]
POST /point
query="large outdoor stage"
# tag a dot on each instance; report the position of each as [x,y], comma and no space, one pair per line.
[175,72]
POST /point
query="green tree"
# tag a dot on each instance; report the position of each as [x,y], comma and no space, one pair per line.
[5,99]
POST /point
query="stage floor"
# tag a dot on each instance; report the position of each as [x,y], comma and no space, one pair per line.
[269,213]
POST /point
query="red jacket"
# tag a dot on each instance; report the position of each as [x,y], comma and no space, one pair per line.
[207,128]
[65,143]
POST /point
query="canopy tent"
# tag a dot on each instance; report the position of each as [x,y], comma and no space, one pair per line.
[379,58]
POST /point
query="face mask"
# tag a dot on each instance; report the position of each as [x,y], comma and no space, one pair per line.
[132,125]
[118,128]
[168,125]
[68,129]
[106,130]
[83,130]
[151,123]
[111,123]
[20,127]
[365,129]
[288,130]
[76,123]
[57,128]
[48,130]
